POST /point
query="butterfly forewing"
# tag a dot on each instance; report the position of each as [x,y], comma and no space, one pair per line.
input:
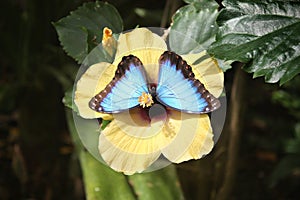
[179,89]
[124,89]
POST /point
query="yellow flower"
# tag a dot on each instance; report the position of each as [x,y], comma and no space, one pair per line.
[136,138]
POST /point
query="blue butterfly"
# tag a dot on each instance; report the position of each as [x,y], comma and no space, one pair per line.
[176,88]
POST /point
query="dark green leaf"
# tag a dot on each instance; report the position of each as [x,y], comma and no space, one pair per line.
[98,54]
[288,96]
[262,34]
[88,131]
[293,145]
[101,182]
[190,1]
[194,27]
[197,1]
[224,65]
[81,31]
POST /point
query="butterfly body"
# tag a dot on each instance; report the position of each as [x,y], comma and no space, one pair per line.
[176,87]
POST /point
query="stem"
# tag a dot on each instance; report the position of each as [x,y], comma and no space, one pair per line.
[234,131]
[26,27]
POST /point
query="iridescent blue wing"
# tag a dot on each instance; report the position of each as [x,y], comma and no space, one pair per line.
[124,90]
[179,89]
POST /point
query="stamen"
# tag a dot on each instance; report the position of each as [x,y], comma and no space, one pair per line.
[145,100]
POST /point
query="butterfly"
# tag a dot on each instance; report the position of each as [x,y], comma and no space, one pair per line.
[176,88]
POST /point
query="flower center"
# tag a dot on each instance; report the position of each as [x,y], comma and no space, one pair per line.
[145,100]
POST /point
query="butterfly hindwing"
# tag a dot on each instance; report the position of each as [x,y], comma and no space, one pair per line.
[124,90]
[179,89]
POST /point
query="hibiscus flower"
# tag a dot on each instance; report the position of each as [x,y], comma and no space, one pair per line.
[136,138]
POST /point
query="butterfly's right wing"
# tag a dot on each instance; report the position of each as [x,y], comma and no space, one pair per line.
[179,89]
[124,90]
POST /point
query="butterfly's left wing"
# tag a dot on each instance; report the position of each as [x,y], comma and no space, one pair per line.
[124,90]
[179,89]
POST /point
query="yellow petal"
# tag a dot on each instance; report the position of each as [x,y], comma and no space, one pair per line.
[144,44]
[193,140]
[122,161]
[202,143]
[137,39]
[92,82]
[131,133]
[207,71]
[131,143]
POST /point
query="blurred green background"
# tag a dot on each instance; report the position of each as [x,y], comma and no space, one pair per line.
[37,158]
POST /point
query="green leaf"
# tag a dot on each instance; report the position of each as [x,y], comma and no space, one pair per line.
[224,65]
[190,1]
[194,27]
[292,146]
[68,101]
[101,182]
[99,54]
[88,131]
[81,31]
[161,184]
[196,1]
[262,34]
[104,124]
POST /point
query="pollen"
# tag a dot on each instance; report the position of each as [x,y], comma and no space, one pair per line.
[145,100]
